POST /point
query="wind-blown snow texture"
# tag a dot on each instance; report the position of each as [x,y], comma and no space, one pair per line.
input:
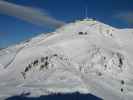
[85,56]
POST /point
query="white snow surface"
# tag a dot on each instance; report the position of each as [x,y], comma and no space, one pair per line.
[85,56]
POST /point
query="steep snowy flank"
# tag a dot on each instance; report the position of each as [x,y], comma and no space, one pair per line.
[85,56]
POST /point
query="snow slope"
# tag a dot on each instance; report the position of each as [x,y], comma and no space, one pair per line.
[85,56]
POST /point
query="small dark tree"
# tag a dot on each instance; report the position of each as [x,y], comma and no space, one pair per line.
[121,89]
[122,82]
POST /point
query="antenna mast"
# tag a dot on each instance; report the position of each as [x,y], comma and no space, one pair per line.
[86,12]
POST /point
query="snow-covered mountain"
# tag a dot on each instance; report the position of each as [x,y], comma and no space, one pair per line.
[85,56]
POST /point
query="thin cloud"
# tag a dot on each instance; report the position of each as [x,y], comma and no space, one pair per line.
[28,14]
[126,16]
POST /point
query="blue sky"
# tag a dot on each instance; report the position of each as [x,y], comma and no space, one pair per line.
[17,25]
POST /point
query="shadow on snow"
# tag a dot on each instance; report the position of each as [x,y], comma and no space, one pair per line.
[72,96]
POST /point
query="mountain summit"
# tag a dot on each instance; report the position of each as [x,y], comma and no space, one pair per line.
[85,56]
